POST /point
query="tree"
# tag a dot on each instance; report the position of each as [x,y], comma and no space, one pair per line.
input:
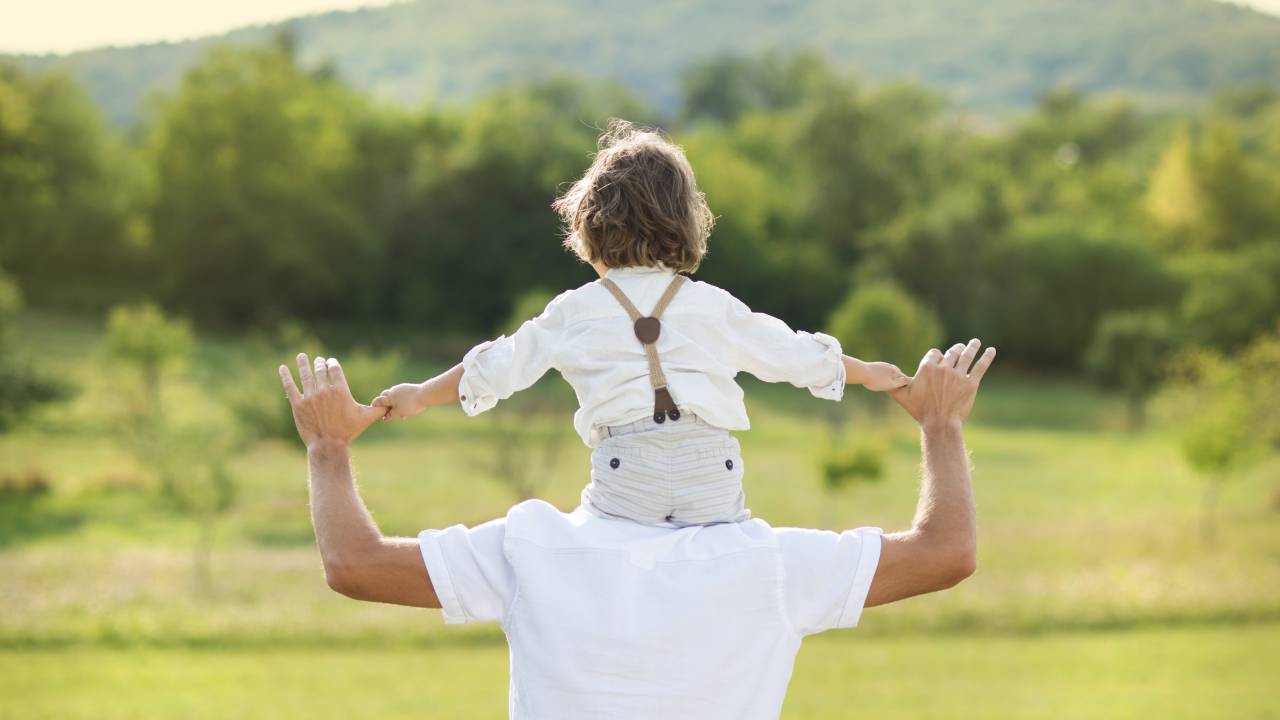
[1173,199]
[1129,353]
[482,186]
[723,89]
[255,191]
[67,190]
[760,244]
[1215,189]
[144,338]
[1217,410]
[1238,188]
[866,157]
[186,450]
[1050,282]
[939,253]
[1231,297]
[1260,364]
[22,388]
[879,321]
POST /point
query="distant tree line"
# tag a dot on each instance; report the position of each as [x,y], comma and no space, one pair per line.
[992,55]
[1081,234]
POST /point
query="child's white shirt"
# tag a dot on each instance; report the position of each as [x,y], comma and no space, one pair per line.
[708,336]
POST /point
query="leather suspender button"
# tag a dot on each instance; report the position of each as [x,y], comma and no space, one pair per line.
[648,329]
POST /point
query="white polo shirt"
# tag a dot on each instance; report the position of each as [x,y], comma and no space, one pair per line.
[611,619]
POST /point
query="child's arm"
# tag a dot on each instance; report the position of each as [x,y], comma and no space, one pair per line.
[874,376]
[409,399]
[767,348]
[489,372]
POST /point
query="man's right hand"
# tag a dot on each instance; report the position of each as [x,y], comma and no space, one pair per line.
[324,411]
[944,386]
[940,549]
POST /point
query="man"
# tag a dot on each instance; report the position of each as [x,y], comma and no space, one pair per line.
[612,619]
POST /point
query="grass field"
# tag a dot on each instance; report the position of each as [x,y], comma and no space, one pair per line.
[1095,595]
[1169,673]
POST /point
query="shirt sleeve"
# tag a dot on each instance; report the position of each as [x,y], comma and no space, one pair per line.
[826,576]
[470,571]
[496,369]
[767,348]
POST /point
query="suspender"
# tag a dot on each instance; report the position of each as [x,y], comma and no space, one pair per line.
[647,330]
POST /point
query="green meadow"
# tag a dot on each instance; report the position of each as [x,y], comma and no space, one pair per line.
[1103,212]
[1096,593]
[1188,673]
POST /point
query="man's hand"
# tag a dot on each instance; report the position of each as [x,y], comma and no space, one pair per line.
[401,401]
[325,412]
[945,386]
[940,549]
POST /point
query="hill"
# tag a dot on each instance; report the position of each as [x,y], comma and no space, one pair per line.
[991,56]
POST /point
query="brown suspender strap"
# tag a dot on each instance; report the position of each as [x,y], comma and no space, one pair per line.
[667,295]
[622,298]
[647,330]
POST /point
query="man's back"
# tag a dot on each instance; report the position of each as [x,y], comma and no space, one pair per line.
[607,618]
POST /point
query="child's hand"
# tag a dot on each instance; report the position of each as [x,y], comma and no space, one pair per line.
[401,401]
[879,376]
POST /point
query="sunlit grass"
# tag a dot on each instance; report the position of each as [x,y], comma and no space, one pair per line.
[1082,525]
[1165,673]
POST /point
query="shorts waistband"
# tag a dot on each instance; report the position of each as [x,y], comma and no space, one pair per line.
[600,432]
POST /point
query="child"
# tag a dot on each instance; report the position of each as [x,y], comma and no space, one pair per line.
[656,391]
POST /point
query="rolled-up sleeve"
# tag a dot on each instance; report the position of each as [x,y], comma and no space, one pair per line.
[496,369]
[469,571]
[767,348]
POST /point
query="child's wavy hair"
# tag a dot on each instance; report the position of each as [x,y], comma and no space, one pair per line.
[637,205]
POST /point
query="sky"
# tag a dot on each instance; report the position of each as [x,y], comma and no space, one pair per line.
[69,25]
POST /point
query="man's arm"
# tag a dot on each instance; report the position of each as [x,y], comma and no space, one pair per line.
[940,549]
[358,561]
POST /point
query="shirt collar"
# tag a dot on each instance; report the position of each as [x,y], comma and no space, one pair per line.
[637,270]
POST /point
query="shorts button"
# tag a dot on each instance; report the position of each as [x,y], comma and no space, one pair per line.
[728,464]
[614,463]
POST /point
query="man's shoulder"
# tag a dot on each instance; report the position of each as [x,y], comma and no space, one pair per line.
[535,512]
[542,524]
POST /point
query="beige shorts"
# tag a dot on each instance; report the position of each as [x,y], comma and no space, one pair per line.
[677,473]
